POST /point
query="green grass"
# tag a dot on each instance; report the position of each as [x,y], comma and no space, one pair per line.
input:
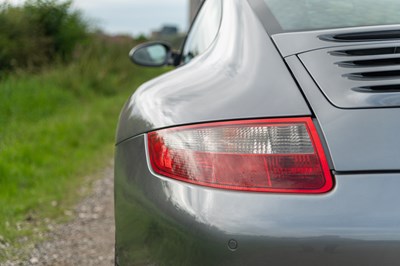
[55,128]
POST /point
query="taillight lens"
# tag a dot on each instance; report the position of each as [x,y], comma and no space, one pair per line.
[274,155]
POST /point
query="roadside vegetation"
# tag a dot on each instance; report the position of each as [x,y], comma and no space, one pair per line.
[61,89]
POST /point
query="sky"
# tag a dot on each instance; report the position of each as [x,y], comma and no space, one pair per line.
[132,17]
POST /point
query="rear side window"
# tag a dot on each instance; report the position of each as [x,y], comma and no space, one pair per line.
[204,30]
[295,15]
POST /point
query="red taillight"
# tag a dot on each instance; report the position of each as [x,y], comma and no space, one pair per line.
[274,155]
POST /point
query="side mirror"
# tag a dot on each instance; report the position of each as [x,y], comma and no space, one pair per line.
[153,54]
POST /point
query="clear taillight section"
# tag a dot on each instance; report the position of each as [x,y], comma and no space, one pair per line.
[274,155]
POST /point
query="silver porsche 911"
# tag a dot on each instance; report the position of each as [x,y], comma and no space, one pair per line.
[275,141]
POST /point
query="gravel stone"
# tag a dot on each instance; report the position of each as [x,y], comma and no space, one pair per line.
[88,239]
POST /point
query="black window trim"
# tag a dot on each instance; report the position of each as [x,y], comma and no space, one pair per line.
[264,14]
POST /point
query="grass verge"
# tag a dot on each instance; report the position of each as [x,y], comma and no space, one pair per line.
[57,127]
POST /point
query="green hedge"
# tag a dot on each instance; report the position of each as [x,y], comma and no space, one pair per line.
[38,33]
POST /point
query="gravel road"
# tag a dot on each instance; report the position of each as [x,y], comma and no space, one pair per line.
[88,239]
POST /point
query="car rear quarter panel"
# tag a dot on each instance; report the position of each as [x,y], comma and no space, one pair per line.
[166,222]
[240,76]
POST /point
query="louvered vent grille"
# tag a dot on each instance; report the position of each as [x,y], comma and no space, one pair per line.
[382,65]
[366,52]
[367,36]
[357,76]
[370,63]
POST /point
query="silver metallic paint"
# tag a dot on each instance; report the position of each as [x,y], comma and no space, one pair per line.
[166,222]
[358,139]
[332,80]
[240,76]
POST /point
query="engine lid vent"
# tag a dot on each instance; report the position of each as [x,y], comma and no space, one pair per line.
[365,52]
[379,89]
[388,35]
[370,63]
[365,76]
